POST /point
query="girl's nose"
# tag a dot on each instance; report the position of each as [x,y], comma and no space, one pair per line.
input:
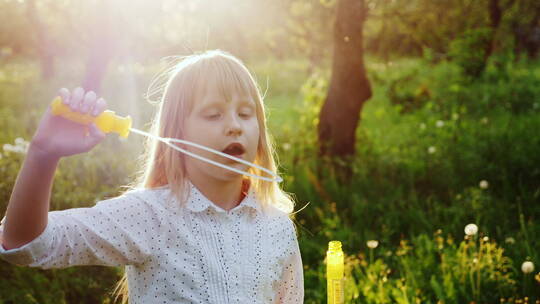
[233,127]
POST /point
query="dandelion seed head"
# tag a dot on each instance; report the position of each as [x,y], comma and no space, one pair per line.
[483,184]
[471,229]
[509,240]
[439,123]
[527,267]
[372,244]
[432,150]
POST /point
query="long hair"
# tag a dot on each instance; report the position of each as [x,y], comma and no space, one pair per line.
[164,166]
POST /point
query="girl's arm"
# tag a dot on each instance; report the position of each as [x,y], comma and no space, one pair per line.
[26,215]
[56,137]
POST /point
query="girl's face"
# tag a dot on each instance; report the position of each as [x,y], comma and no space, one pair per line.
[227,125]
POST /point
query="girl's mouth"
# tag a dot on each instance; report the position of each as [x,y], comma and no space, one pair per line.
[235,149]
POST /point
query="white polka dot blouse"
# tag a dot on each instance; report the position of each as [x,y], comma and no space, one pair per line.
[199,253]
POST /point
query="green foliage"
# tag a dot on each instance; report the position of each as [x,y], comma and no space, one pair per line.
[448,161]
[470,50]
[467,152]
[428,270]
[71,285]
[407,95]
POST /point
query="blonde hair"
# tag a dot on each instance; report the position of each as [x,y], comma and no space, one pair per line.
[160,163]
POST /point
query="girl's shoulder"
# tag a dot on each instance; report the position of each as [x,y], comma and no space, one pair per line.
[136,196]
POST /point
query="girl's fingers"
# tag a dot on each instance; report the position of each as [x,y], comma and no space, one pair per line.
[76,99]
[64,95]
[88,102]
[80,101]
[100,106]
[95,135]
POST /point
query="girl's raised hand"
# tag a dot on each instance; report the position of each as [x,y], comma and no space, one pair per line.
[58,137]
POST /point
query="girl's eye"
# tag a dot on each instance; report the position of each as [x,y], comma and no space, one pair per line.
[213,116]
[245,115]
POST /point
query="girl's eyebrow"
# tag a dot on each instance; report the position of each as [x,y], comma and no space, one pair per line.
[248,102]
[218,103]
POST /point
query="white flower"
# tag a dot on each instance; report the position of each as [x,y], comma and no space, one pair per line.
[527,267]
[486,239]
[372,244]
[471,229]
[19,141]
[22,149]
[8,148]
[484,184]
[439,123]
[432,150]
[509,240]
[286,146]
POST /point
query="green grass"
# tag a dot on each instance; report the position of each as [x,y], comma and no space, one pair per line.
[407,198]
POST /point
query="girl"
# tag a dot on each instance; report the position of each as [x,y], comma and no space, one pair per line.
[186,231]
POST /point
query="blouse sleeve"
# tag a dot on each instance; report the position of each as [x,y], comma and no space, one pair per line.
[114,232]
[291,287]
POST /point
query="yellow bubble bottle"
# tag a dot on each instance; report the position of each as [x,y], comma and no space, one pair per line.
[107,121]
[334,273]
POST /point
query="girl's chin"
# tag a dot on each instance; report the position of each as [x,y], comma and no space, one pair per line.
[231,174]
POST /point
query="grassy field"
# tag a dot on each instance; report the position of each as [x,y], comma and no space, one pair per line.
[436,151]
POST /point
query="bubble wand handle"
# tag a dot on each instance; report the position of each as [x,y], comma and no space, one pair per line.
[107,121]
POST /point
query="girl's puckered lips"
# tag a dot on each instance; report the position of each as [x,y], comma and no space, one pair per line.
[234,149]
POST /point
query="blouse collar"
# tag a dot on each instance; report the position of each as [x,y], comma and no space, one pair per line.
[197,202]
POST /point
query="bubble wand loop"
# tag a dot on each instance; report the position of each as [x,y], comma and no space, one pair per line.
[168,141]
[109,122]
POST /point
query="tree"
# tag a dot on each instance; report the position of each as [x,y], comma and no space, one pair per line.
[44,43]
[103,45]
[349,87]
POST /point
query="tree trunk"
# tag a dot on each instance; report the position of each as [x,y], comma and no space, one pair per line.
[103,47]
[495,16]
[527,34]
[349,88]
[45,46]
